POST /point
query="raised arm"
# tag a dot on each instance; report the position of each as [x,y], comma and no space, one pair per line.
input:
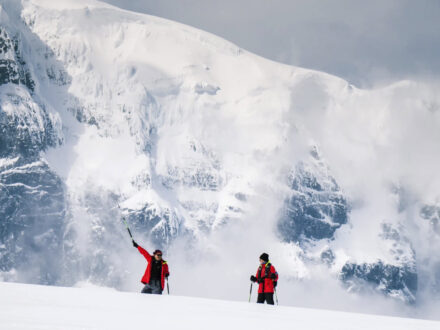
[144,253]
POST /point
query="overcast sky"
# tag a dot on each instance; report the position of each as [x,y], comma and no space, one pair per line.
[365,42]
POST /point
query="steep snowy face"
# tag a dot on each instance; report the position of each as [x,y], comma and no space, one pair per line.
[205,146]
[32,196]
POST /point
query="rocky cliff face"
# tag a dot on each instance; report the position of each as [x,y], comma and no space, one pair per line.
[32,205]
[317,206]
[397,278]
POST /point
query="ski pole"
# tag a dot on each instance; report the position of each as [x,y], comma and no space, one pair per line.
[128,229]
[250,293]
[276,296]
[168,288]
[126,225]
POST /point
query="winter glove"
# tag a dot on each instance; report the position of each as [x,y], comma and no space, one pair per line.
[253,278]
[275,284]
[261,280]
[166,275]
[135,244]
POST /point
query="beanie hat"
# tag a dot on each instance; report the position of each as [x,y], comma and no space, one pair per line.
[157,251]
[264,257]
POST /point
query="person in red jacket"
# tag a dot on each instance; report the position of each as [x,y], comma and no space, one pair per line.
[267,278]
[156,272]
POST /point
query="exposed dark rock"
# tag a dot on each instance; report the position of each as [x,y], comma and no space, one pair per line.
[32,204]
[396,281]
[13,68]
[328,257]
[316,207]
[161,226]
[399,279]
[28,130]
[32,210]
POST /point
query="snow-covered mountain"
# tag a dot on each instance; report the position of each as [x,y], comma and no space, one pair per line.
[213,154]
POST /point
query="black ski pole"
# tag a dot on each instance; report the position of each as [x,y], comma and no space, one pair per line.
[250,293]
[168,287]
[128,229]
[126,225]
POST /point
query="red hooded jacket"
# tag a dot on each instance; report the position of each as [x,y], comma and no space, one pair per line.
[147,274]
[266,276]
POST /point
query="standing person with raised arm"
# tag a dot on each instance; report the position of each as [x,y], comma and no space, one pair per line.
[156,272]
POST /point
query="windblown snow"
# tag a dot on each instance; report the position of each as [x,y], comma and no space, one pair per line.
[214,155]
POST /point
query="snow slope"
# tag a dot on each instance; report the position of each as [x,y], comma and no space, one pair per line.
[214,154]
[29,307]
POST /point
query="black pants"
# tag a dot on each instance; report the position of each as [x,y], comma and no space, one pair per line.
[153,287]
[265,297]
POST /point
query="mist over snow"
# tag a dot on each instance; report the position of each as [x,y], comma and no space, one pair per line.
[214,155]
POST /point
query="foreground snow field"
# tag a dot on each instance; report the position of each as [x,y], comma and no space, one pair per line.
[24,306]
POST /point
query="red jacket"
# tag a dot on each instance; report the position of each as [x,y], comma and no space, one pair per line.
[266,276]
[147,274]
